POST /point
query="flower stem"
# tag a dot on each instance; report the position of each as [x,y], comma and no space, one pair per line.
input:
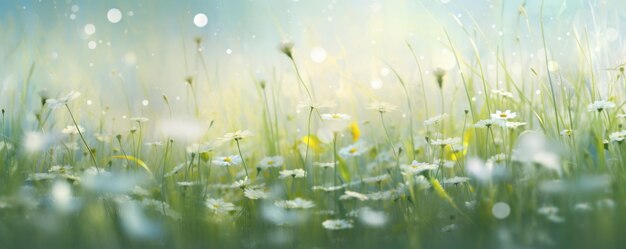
[382,120]
[295,66]
[93,158]
[245,167]
[335,156]
[308,138]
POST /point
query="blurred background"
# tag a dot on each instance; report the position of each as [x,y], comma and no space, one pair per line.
[124,55]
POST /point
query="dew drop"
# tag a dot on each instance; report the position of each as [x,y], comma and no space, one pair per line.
[501,210]
[90,29]
[200,20]
[114,15]
[92,45]
[318,54]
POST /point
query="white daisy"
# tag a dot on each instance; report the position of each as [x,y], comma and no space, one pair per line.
[313,105]
[551,213]
[227,160]
[435,119]
[618,136]
[456,180]
[73,129]
[336,117]
[447,141]
[487,123]
[383,195]
[243,183]
[295,173]
[503,115]
[237,135]
[336,122]
[56,103]
[337,224]
[377,179]
[255,194]
[187,183]
[328,165]
[513,125]
[328,188]
[219,206]
[566,132]
[416,168]
[297,203]
[60,169]
[600,105]
[271,162]
[352,150]
[382,107]
[353,195]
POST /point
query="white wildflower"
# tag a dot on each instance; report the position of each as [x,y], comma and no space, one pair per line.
[503,115]
[295,173]
[219,206]
[327,165]
[73,129]
[382,107]
[487,123]
[416,168]
[618,136]
[237,135]
[455,180]
[255,194]
[600,105]
[243,183]
[337,224]
[271,162]
[447,141]
[297,203]
[56,103]
[435,119]
[352,150]
[353,195]
[227,160]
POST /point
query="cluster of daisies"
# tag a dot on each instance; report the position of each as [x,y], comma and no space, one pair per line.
[502,119]
[253,186]
[412,174]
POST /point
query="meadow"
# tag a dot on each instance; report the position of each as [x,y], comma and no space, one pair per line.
[466,135]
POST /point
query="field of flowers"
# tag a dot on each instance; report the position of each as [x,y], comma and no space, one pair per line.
[496,124]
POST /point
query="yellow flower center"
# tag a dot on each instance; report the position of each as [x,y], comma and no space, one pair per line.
[503,115]
[352,150]
[228,160]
